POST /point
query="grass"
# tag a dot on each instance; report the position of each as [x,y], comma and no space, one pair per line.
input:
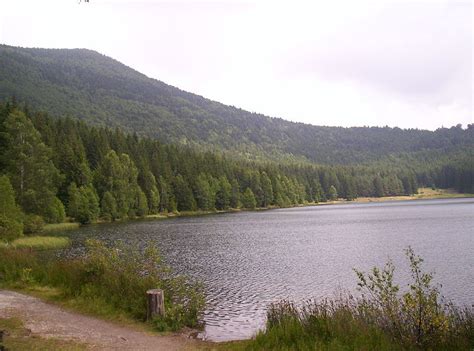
[106,282]
[39,243]
[56,227]
[17,337]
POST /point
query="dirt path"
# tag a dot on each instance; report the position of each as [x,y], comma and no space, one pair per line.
[48,320]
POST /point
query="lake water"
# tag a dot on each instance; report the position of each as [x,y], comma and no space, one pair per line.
[247,260]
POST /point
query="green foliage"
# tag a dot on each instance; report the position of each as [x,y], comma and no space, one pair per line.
[83,203]
[110,174]
[224,194]
[118,175]
[29,164]
[235,194]
[40,242]
[11,225]
[419,317]
[58,227]
[61,82]
[203,193]
[33,224]
[108,280]
[248,199]
[381,319]
[109,207]
[332,193]
[147,183]
[183,194]
[10,229]
[141,204]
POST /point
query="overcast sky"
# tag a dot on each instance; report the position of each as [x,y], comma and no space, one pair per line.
[339,63]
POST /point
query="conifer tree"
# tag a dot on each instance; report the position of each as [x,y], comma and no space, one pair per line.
[202,193]
[11,217]
[235,194]
[224,194]
[29,164]
[248,199]
[183,194]
[332,193]
[108,206]
[267,189]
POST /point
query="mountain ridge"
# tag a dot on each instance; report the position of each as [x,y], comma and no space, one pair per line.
[90,86]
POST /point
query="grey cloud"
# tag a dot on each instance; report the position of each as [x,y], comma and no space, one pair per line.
[415,50]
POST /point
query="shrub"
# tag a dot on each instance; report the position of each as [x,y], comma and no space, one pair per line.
[10,228]
[33,224]
[109,281]
[381,319]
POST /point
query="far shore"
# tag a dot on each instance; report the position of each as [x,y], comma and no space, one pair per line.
[423,194]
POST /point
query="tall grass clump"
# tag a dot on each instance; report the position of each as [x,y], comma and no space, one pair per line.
[381,318]
[108,282]
[41,242]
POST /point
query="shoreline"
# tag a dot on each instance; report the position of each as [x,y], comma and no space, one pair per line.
[423,194]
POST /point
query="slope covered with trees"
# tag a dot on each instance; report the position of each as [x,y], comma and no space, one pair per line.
[50,168]
[86,85]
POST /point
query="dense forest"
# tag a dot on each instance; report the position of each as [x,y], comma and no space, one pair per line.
[86,85]
[52,168]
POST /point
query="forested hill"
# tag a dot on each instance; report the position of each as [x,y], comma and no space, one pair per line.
[97,89]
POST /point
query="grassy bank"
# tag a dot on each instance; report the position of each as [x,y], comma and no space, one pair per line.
[38,243]
[380,318]
[106,282]
[58,227]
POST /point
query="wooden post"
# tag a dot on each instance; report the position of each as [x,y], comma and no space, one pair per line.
[155,303]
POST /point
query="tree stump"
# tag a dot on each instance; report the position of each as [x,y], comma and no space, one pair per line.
[155,303]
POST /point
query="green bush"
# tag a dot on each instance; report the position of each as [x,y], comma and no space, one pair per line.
[10,228]
[33,224]
[381,319]
[109,281]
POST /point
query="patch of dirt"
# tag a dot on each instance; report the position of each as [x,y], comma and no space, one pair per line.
[50,321]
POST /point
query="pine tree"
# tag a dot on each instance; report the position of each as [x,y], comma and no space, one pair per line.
[379,190]
[83,203]
[248,199]
[183,194]
[29,164]
[224,194]
[147,182]
[11,225]
[267,189]
[332,193]
[235,194]
[203,194]
[108,207]
[141,204]
[118,175]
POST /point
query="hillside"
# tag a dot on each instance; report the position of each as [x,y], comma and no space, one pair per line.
[89,86]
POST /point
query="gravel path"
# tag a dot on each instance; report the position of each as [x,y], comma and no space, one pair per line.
[47,320]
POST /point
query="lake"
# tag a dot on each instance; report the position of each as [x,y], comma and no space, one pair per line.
[246,260]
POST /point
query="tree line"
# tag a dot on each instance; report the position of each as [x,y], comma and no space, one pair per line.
[53,168]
